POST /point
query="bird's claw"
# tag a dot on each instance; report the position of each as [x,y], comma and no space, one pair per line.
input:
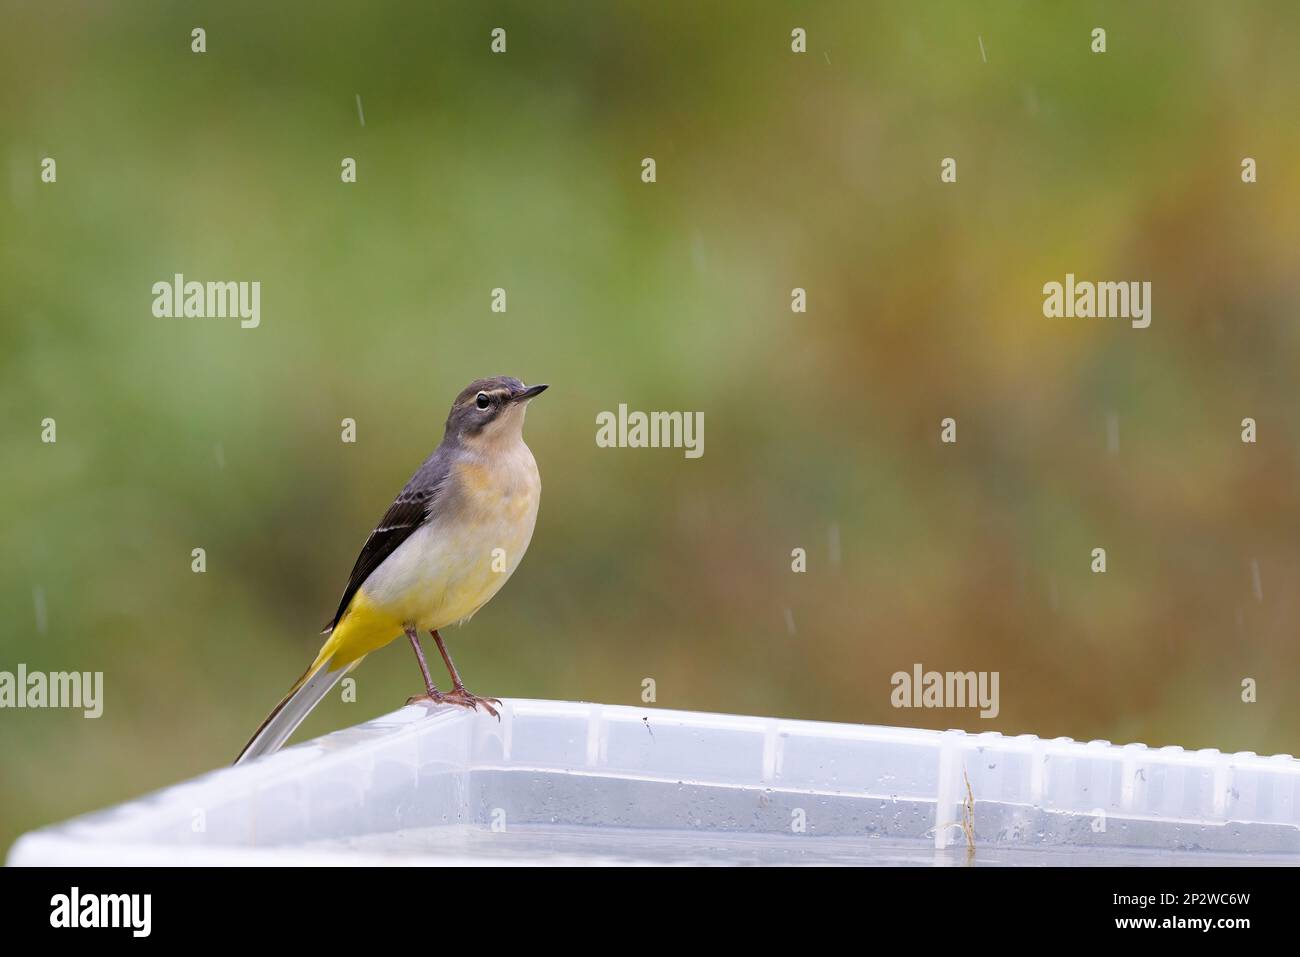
[461,697]
[436,698]
[466,699]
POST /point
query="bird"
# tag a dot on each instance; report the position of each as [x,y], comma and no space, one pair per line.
[452,537]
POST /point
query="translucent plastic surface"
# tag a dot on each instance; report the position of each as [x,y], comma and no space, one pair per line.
[562,782]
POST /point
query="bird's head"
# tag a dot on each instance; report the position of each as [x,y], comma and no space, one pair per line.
[491,410]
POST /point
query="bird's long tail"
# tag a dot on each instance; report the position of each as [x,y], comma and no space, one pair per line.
[305,694]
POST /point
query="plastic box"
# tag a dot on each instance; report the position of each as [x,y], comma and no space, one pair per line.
[562,782]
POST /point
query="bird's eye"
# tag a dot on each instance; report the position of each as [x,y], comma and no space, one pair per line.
[482,401]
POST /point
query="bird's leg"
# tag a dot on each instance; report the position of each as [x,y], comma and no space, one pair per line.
[458,694]
[434,695]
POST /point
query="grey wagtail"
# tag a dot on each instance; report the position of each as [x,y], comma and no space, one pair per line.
[445,546]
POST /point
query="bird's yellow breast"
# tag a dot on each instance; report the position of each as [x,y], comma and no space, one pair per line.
[451,566]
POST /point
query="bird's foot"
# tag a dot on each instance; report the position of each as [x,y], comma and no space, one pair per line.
[436,697]
[459,695]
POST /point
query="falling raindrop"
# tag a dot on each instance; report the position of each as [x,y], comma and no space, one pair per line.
[38,599]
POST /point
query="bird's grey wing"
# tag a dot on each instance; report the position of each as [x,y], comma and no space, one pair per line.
[408,512]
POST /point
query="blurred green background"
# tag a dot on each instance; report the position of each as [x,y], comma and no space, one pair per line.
[775,170]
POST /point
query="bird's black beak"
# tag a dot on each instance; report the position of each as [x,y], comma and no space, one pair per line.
[532,392]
